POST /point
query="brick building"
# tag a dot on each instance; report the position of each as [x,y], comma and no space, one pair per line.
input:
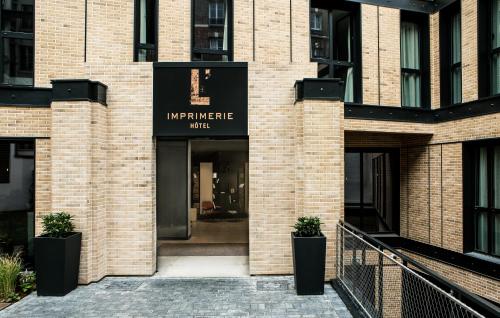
[385,116]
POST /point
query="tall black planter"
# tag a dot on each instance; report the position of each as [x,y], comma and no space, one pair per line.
[309,264]
[57,262]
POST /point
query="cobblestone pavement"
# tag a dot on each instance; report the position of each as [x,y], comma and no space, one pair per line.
[167,297]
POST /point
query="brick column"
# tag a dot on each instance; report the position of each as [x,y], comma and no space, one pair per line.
[78,171]
[320,168]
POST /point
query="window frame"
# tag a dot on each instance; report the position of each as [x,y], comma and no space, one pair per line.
[137,29]
[19,36]
[485,50]
[355,10]
[470,210]
[445,53]
[5,150]
[422,20]
[230,28]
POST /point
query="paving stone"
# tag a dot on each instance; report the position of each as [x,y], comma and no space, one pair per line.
[175,297]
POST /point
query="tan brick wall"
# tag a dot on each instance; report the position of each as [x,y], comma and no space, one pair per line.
[272,150]
[59,40]
[323,168]
[24,121]
[417,194]
[370,54]
[469,50]
[174,42]
[110,32]
[390,62]
[390,127]
[130,169]
[434,60]
[78,180]
[381,40]
[71,171]
[43,181]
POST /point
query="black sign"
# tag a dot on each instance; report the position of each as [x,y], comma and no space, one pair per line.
[200,99]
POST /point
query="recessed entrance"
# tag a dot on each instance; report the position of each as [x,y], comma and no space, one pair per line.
[202,204]
[17,198]
[372,189]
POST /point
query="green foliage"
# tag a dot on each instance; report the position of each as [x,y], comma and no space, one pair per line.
[12,297]
[27,281]
[57,224]
[10,266]
[308,226]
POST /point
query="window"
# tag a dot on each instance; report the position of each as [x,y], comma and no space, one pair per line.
[451,54]
[482,204]
[16,43]
[216,12]
[414,59]
[212,30]
[335,44]
[316,21]
[216,43]
[489,47]
[145,31]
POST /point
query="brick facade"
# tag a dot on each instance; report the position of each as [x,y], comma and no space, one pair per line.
[98,162]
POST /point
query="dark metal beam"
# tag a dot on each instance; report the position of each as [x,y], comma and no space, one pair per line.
[484,106]
[25,96]
[409,5]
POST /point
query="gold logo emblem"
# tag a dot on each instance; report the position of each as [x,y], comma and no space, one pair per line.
[196,99]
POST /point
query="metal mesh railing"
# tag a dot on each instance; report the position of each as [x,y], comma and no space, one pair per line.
[382,286]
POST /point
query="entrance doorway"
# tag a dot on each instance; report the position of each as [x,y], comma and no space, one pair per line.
[17,198]
[202,199]
[372,189]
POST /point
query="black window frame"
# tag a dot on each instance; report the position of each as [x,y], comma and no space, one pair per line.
[230,28]
[18,36]
[4,162]
[470,179]
[445,53]
[332,63]
[422,20]
[137,29]
[485,51]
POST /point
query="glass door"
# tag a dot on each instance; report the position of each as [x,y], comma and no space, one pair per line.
[172,195]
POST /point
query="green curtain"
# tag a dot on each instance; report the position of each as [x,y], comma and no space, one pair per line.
[456,57]
[496,195]
[349,87]
[482,186]
[482,231]
[410,59]
[496,241]
[495,63]
[482,201]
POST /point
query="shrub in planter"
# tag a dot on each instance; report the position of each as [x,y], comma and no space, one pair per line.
[309,252]
[57,255]
[10,266]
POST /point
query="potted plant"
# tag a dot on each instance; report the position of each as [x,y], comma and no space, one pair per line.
[57,255]
[309,249]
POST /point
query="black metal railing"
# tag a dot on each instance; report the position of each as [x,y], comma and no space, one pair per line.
[383,282]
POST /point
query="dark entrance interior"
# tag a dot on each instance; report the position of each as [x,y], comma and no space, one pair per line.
[372,189]
[202,197]
[17,197]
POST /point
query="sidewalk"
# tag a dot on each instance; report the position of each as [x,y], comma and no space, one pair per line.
[170,297]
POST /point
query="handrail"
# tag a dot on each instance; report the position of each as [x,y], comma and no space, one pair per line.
[458,292]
